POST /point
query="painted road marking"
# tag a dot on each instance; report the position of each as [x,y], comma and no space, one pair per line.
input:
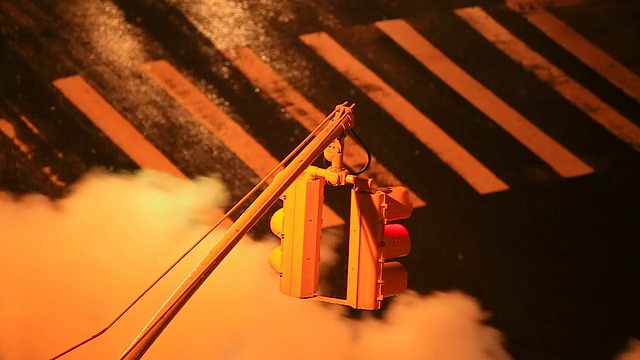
[220,124]
[535,4]
[587,52]
[9,131]
[554,154]
[425,130]
[305,113]
[37,132]
[556,78]
[119,130]
[116,127]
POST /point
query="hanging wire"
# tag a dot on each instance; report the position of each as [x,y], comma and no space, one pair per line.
[204,236]
[353,133]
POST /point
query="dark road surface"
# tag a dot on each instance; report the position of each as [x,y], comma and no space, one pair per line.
[549,242]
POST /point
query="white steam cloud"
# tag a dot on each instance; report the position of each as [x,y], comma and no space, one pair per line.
[632,352]
[68,267]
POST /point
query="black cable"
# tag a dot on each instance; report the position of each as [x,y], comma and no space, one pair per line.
[353,133]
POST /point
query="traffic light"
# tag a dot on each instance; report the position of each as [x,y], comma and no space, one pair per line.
[373,240]
[298,225]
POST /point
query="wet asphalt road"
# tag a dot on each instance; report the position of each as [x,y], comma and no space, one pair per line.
[556,260]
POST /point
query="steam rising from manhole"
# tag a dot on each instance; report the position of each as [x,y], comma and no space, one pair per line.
[68,267]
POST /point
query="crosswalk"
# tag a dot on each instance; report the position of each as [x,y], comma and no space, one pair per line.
[328,48]
[476,174]
[117,128]
[114,125]
[7,128]
[587,52]
[221,125]
[301,109]
[554,154]
[552,75]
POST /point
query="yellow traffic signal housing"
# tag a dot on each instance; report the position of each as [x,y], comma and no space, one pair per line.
[298,224]
[373,240]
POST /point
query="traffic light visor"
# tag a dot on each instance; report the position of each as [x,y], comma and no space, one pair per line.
[398,203]
[394,279]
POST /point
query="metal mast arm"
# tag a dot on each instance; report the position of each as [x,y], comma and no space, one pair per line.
[342,120]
